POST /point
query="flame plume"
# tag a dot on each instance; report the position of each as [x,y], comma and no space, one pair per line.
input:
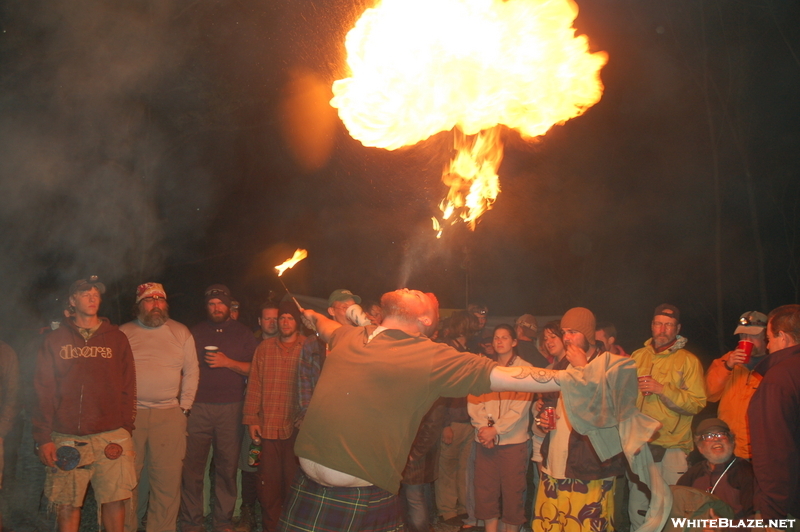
[419,67]
[299,255]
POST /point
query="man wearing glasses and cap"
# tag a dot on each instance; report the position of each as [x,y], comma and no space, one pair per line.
[732,381]
[721,474]
[166,382]
[85,385]
[225,349]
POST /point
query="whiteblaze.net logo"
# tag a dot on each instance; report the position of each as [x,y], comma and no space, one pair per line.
[723,522]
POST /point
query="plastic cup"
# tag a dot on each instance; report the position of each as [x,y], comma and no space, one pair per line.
[747,347]
[642,378]
[210,350]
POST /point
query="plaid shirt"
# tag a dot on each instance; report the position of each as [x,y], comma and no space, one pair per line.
[271,400]
[312,358]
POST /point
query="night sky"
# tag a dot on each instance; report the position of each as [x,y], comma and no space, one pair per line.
[191,143]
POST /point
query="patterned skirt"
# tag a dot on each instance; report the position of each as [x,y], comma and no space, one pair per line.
[314,507]
[572,505]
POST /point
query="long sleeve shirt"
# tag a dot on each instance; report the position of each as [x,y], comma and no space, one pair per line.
[9,388]
[84,386]
[167,371]
[509,412]
[312,358]
[271,400]
[774,414]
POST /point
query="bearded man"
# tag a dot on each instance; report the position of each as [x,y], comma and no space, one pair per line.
[166,382]
[225,349]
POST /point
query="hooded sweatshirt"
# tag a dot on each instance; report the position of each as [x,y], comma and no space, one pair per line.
[684,392]
[84,386]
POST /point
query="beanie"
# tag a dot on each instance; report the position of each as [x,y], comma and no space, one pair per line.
[582,320]
[289,307]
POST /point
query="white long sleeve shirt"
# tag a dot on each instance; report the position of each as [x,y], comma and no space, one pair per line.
[509,410]
[167,371]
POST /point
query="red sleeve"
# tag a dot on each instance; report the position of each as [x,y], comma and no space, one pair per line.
[45,386]
[128,386]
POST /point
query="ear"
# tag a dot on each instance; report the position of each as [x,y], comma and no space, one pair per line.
[330,312]
[513,343]
[678,329]
[72,301]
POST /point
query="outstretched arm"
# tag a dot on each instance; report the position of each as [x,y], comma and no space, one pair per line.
[524,379]
[324,326]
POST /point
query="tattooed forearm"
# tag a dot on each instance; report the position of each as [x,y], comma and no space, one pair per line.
[538,374]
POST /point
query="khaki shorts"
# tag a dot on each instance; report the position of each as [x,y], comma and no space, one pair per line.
[112,480]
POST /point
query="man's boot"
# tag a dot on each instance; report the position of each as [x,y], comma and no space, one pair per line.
[246,520]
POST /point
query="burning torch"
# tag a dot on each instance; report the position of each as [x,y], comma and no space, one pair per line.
[299,255]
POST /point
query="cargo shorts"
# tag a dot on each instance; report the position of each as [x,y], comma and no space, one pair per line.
[109,468]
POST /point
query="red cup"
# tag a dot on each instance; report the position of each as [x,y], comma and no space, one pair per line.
[747,347]
[642,379]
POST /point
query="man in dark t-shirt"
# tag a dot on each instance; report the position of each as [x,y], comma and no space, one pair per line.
[225,349]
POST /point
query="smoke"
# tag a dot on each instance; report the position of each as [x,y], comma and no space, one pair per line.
[93,177]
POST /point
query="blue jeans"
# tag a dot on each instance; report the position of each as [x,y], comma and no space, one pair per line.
[417,499]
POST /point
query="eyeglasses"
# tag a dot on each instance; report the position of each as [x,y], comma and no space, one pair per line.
[715,436]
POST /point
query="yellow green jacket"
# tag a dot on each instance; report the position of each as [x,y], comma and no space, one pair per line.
[684,392]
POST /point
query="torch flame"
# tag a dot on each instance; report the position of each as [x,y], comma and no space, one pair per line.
[419,67]
[299,255]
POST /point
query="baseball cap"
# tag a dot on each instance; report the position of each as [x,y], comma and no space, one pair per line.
[712,425]
[87,284]
[527,320]
[751,322]
[670,311]
[342,294]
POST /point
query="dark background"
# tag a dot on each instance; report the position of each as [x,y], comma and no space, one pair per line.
[190,143]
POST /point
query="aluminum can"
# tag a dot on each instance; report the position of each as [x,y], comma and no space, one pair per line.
[254,453]
[548,418]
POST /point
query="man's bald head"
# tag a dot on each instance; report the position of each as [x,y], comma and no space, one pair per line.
[413,308]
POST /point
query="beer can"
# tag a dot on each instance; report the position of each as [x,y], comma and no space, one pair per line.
[254,453]
[548,418]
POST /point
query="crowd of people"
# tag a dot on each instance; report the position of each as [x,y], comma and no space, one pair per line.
[382,417]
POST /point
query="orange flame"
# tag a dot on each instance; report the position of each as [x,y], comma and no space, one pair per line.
[299,255]
[419,67]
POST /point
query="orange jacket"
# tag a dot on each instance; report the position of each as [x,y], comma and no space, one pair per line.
[733,389]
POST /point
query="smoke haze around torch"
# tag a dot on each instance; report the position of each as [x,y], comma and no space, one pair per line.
[423,66]
[92,182]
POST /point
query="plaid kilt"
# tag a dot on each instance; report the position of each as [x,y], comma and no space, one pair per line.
[312,507]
